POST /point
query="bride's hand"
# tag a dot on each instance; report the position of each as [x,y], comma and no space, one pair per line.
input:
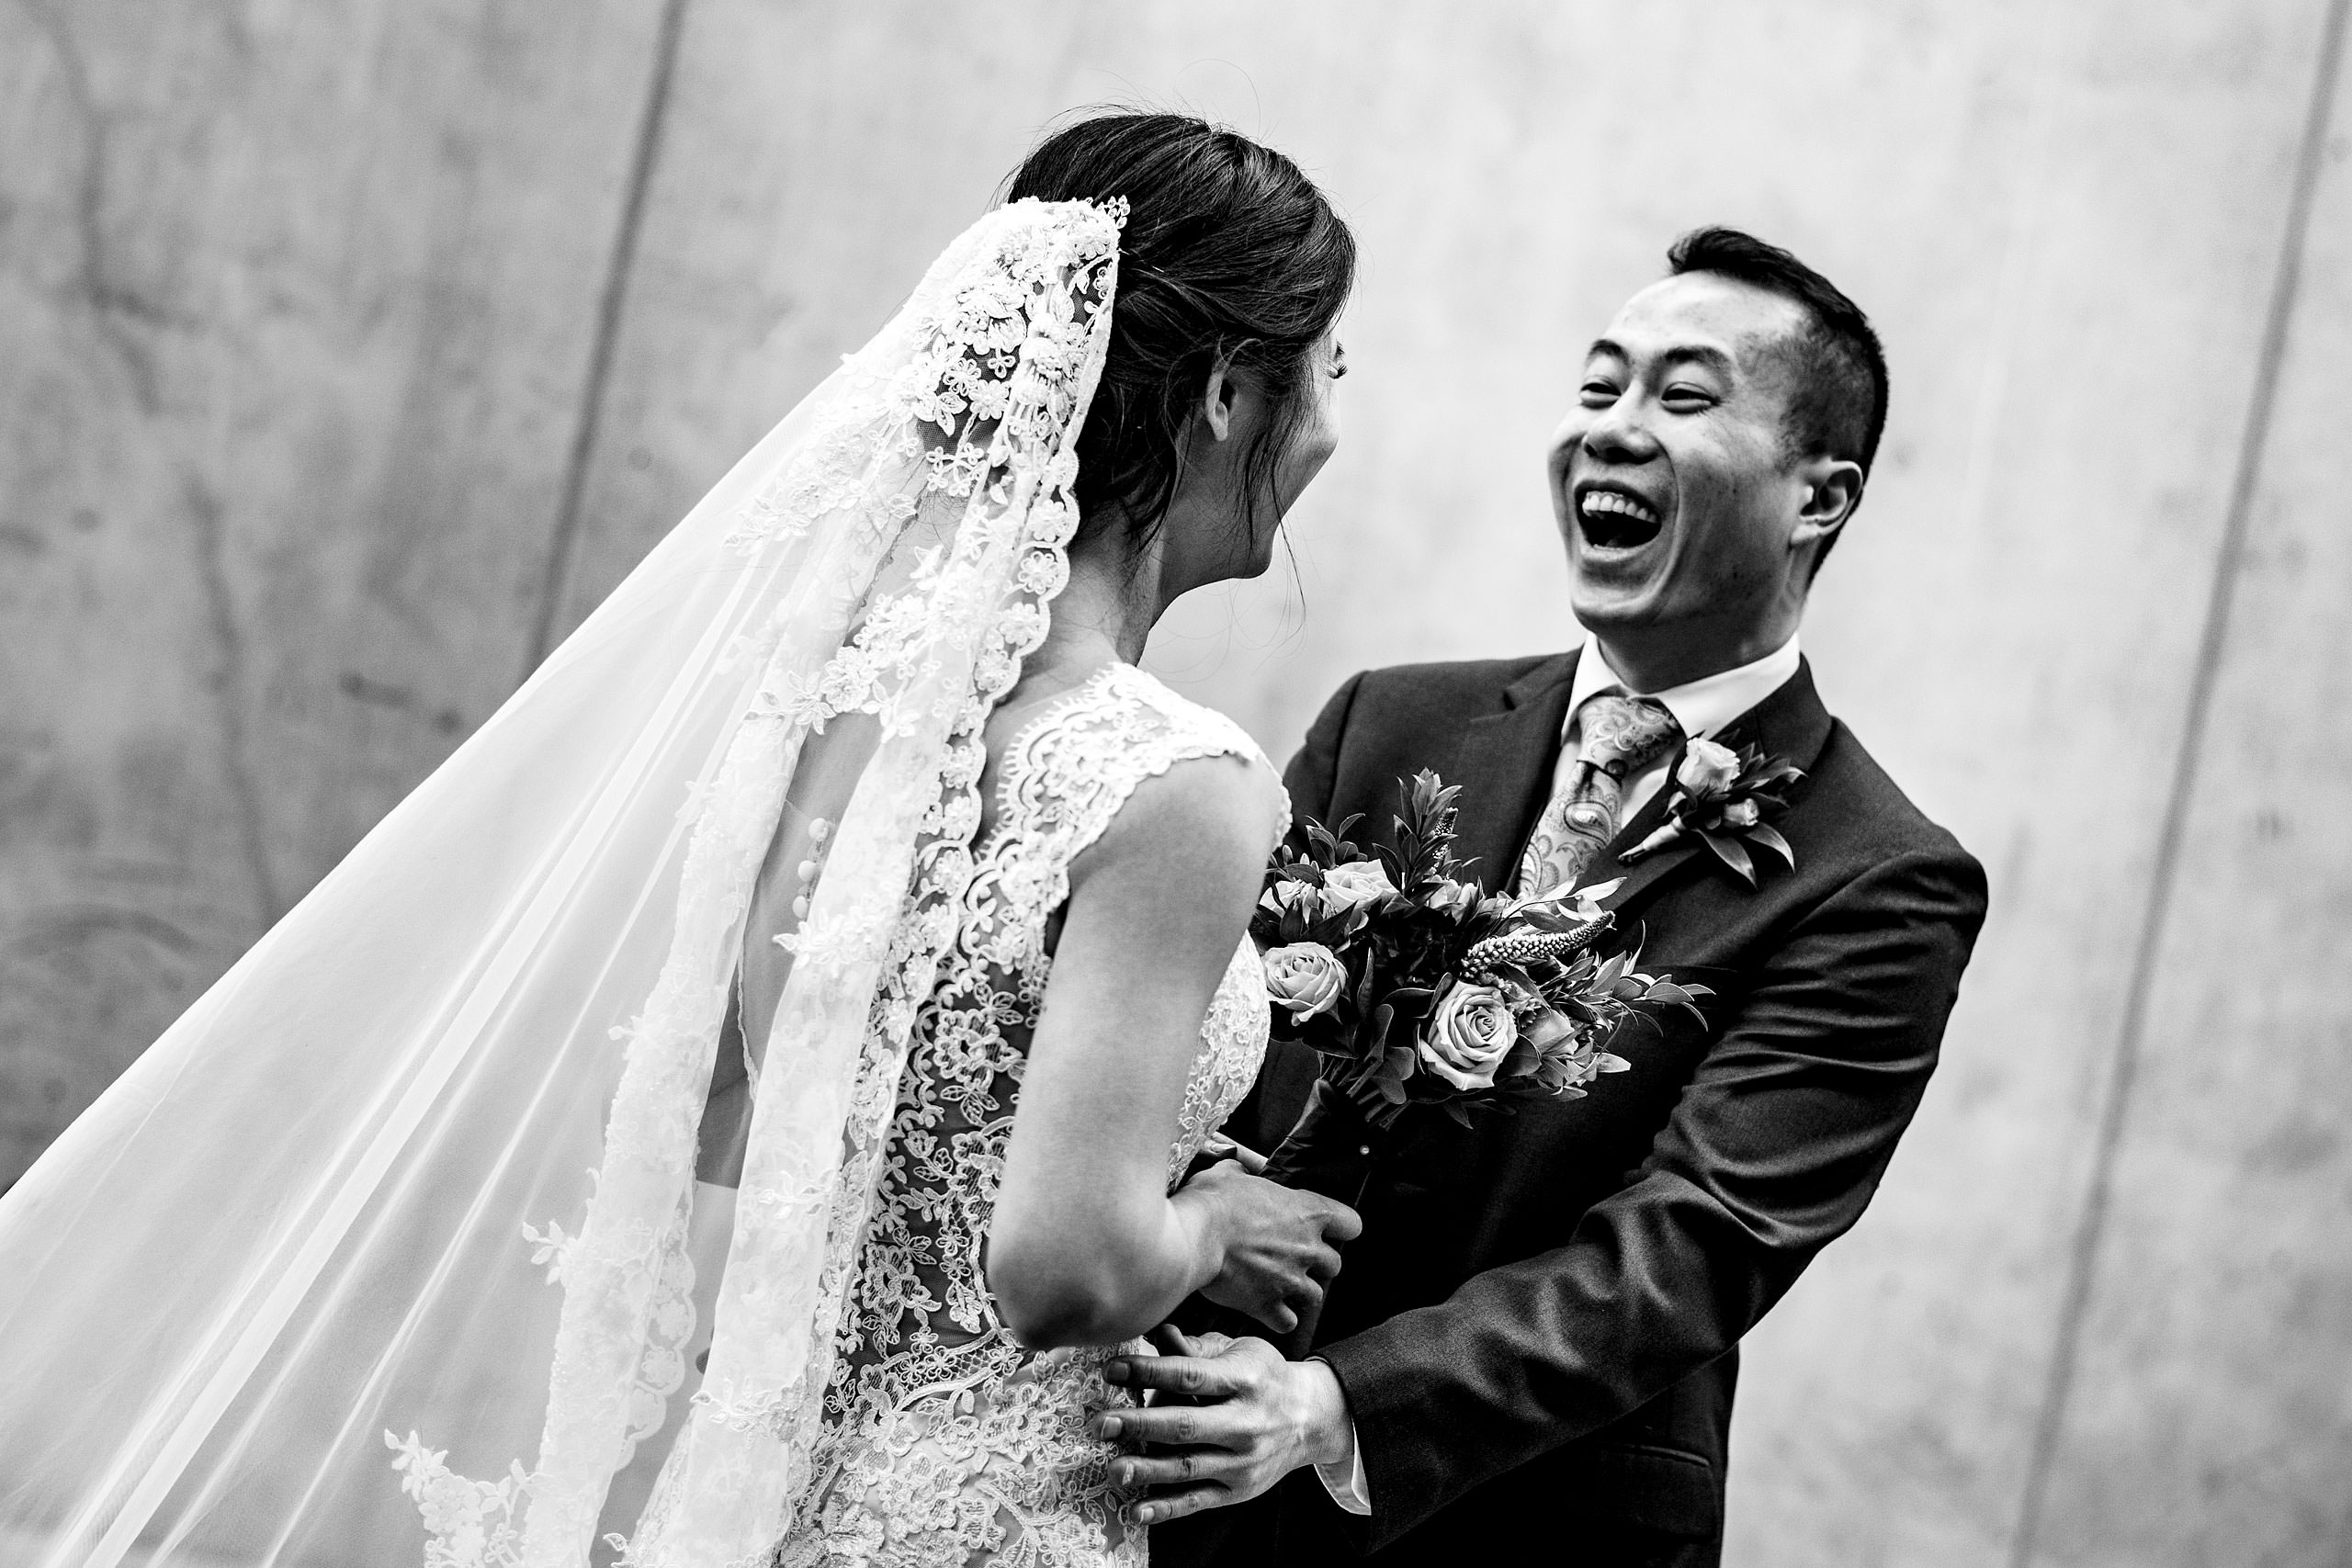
[1280,1245]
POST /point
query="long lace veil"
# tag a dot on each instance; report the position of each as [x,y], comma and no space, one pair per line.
[381,1254]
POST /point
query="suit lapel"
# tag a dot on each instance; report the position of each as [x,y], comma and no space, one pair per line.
[1505,763]
[1791,723]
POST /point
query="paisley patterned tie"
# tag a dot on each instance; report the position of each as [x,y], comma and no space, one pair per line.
[1618,736]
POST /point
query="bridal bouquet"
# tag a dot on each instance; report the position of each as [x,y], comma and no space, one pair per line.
[1414,989]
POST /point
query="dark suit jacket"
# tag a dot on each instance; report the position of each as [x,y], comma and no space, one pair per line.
[1536,1329]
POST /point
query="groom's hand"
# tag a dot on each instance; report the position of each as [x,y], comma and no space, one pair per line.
[1247,1418]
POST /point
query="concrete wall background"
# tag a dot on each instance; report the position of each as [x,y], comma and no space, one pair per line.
[349,349]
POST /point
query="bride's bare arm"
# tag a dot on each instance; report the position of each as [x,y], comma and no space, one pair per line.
[1088,1246]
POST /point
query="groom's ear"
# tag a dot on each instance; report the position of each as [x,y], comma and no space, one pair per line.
[1833,488]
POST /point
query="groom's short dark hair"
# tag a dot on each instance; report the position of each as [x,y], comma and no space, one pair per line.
[1839,405]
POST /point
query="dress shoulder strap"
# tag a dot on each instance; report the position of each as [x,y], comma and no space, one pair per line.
[1064,778]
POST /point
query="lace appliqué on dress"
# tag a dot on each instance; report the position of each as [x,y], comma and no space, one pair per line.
[926,516]
[947,1440]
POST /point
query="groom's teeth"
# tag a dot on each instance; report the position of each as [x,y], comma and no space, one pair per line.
[1610,501]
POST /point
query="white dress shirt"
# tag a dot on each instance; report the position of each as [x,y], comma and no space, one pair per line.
[1701,707]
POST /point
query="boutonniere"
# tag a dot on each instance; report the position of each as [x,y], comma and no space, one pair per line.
[1726,798]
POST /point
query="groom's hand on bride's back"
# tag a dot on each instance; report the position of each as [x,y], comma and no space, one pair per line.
[1280,1245]
[1229,1420]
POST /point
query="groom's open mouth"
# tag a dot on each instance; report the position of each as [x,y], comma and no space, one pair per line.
[1613,519]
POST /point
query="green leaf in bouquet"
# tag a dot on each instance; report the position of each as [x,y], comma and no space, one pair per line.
[1330,846]
[1424,828]
[1577,1007]
[1522,1060]
[1605,1063]
[1334,930]
[1373,1033]
[1457,1111]
[1389,1071]
[1419,796]
[1666,993]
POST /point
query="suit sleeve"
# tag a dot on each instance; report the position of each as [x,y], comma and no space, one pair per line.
[1314,772]
[1774,1150]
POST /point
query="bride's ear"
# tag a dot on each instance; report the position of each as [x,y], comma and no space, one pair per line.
[1220,397]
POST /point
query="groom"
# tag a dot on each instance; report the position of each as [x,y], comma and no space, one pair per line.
[1534,1341]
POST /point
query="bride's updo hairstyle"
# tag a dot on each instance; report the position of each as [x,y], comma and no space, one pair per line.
[1230,256]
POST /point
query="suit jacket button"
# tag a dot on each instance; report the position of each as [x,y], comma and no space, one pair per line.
[1365,1150]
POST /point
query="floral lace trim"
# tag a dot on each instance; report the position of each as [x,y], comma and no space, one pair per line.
[468,1524]
[947,1439]
[997,360]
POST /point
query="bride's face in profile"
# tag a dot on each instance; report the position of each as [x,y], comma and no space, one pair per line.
[1229,506]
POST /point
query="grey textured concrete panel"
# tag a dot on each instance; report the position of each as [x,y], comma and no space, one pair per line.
[295,304]
[2015,632]
[2212,1413]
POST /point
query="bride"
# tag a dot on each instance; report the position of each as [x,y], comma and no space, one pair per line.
[730,1113]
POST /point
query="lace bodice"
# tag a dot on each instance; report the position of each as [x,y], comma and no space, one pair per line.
[948,1441]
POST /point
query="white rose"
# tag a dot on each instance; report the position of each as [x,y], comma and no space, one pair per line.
[1279,898]
[1454,898]
[1356,884]
[1306,978]
[1707,769]
[1468,1036]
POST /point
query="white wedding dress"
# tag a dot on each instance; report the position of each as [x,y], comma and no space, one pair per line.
[945,1441]
[422,1286]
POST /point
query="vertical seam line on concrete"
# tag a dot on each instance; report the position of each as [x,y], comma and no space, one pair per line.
[2228,567]
[563,541]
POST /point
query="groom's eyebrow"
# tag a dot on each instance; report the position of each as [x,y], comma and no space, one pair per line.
[1693,353]
[1714,358]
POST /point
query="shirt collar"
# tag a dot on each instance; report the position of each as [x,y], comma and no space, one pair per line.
[1701,706]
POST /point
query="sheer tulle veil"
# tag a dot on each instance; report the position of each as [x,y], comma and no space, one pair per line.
[385,1252]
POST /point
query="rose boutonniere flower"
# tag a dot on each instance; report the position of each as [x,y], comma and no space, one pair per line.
[1727,799]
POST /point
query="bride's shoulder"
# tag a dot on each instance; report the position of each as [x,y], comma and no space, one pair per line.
[1189,726]
[1170,770]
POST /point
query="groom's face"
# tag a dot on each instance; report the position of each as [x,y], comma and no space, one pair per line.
[1671,478]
